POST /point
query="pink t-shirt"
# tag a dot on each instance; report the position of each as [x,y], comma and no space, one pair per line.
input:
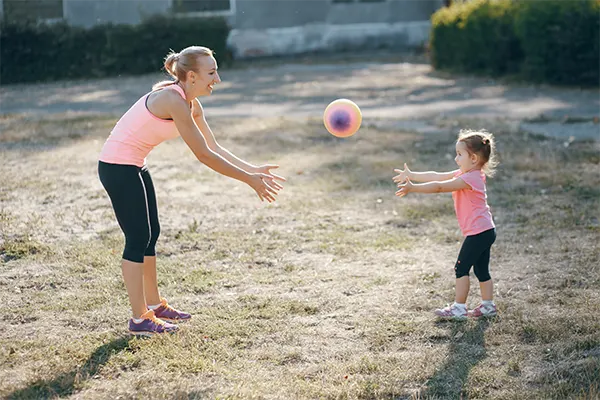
[137,133]
[471,206]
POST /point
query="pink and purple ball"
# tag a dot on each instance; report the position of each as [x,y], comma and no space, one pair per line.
[342,118]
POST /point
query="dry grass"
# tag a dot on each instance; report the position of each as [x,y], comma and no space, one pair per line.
[327,294]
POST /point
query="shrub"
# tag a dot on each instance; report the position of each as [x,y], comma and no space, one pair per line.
[476,36]
[560,40]
[33,52]
[552,41]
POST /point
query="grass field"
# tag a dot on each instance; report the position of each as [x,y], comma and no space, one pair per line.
[326,294]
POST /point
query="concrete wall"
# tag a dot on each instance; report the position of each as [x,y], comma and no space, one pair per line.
[295,26]
[274,27]
[88,13]
[285,13]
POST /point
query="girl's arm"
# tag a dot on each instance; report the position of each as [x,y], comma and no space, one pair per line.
[451,185]
[427,176]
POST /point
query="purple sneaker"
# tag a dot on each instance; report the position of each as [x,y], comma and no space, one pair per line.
[150,325]
[168,313]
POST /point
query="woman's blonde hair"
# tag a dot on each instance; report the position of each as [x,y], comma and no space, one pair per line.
[481,143]
[179,64]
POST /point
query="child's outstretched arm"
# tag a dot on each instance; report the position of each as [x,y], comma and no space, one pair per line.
[428,176]
[451,185]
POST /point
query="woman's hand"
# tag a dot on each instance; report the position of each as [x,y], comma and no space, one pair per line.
[266,170]
[403,175]
[261,185]
[405,188]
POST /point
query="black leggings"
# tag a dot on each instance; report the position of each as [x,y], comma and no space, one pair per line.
[133,198]
[475,252]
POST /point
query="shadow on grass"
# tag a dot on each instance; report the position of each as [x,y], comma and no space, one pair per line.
[65,384]
[466,350]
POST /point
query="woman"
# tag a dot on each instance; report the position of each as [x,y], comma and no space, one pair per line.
[168,111]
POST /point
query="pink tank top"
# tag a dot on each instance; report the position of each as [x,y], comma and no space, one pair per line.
[472,211]
[137,133]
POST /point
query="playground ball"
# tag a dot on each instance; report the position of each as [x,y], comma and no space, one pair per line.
[342,118]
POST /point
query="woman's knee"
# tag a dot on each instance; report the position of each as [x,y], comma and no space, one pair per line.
[135,247]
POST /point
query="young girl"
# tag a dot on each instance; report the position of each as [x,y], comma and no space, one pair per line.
[475,158]
[168,111]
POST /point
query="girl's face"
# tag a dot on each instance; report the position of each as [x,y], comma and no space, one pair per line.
[206,76]
[466,161]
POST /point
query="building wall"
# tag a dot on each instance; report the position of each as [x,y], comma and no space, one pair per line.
[274,27]
[88,13]
[250,14]
[296,26]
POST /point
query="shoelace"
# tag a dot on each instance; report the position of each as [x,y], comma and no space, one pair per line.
[168,307]
[153,318]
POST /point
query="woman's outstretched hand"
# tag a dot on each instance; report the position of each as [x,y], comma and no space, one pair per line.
[264,186]
[403,175]
[266,169]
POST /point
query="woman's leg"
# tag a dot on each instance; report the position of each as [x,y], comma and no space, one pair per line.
[127,193]
[134,282]
[151,281]
[150,277]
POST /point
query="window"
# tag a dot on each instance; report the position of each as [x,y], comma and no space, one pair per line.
[32,10]
[203,7]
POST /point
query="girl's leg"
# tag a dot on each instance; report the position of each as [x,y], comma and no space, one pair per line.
[466,257]
[462,289]
[481,270]
[487,290]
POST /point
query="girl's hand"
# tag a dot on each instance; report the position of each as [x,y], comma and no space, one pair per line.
[266,170]
[261,185]
[405,188]
[403,175]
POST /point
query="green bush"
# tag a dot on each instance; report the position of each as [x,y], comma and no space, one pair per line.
[476,36]
[552,41]
[560,40]
[38,52]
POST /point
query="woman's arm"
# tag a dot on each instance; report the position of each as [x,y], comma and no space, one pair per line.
[200,120]
[180,112]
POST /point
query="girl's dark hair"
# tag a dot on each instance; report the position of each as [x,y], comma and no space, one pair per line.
[481,143]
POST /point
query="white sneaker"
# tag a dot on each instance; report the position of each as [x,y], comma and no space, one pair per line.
[451,312]
[483,310]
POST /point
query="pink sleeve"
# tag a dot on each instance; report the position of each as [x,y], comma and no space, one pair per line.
[474,180]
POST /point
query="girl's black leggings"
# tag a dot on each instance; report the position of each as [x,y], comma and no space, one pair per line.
[132,195]
[475,252]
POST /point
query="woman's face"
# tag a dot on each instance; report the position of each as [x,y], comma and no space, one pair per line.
[206,76]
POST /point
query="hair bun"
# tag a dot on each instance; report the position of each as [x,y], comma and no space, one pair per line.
[485,141]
